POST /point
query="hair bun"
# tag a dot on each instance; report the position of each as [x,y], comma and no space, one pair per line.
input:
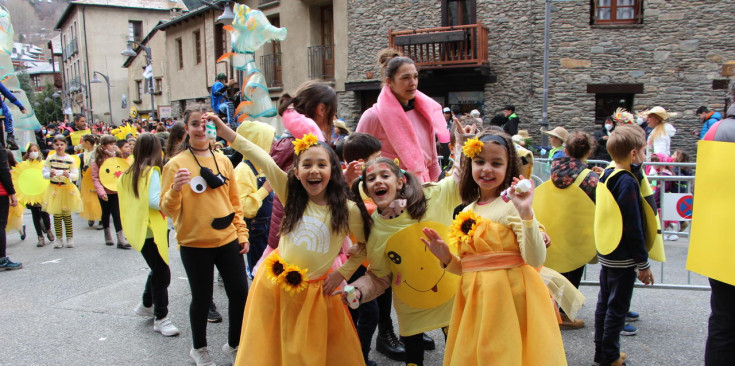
[386,54]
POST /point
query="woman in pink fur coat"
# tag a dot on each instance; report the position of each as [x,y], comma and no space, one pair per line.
[405,120]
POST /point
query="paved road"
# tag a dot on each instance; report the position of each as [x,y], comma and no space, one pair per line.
[74,307]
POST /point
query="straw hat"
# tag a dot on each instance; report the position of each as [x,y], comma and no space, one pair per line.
[558,132]
[522,135]
[660,112]
[341,124]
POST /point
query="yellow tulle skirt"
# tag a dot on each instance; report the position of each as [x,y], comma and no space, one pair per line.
[62,199]
[15,218]
[91,204]
[305,329]
[504,317]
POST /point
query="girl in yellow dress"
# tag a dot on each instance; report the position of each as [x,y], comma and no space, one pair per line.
[41,219]
[502,314]
[92,210]
[62,196]
[289,320]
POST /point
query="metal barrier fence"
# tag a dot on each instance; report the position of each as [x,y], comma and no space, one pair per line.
[675,272]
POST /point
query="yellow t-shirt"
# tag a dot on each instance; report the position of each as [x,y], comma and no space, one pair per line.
[313,244]
[203,217]
[423,292]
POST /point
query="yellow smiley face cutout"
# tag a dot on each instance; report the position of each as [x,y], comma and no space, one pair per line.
[110,172]
[419,280]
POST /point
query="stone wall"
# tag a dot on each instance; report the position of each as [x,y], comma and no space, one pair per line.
[676,54]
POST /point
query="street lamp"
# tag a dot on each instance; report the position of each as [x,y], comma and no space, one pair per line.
[95,80]
[226,6]
[129,52]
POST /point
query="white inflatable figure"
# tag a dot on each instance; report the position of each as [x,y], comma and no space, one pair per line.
[250,31]
[8,77]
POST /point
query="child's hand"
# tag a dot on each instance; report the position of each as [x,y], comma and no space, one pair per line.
[354,170]
[522,200]
[646,276]
[343,295]
[333,280]
[245,247]
[437,246]
[223,130]
[547,239]
[181,178]
[104,197]
[65,173]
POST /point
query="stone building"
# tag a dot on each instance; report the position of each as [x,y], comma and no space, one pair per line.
[604,54]
[93,32]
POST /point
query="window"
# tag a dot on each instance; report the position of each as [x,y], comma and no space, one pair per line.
[159,86]
[220,41]
[458,12]
[180,53]
[616,11]
[197,47]
[138,90]
[135,30]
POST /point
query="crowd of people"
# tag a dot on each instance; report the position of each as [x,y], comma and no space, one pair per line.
[322,207]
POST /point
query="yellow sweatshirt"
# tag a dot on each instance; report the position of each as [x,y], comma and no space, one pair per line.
[210,218]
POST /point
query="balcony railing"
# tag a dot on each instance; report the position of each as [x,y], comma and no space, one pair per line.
[456,46]
[321,62]
[271,67]
[70,49]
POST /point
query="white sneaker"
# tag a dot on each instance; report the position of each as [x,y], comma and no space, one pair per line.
[70,242]
[59,243]
[230,352]
[165,327]
[144,311]
[673,237]
[201,357]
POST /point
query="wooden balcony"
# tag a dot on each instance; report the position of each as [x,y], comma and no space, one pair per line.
[432,48]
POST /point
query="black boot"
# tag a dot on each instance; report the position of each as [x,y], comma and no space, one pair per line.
[388,344]
[10,140]
[429,344]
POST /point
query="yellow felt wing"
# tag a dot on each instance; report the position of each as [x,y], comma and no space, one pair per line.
[654,239]
[711,249]
[608,220]
[569,218]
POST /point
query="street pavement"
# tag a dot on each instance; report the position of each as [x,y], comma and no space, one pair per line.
[75,307]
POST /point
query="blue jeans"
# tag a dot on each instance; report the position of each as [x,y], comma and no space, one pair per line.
[616,290]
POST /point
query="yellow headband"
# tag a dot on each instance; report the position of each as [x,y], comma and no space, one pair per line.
[300,145]
[472,147]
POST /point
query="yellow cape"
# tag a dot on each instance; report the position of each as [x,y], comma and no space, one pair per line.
[569,218]
[137,216]
[609,221]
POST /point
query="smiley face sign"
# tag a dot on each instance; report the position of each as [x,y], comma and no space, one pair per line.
[110,172]
[418,278]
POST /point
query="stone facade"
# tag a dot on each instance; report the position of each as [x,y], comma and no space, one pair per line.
[675,53]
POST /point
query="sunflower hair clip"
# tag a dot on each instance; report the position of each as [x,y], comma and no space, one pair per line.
[302,144]
[472,147]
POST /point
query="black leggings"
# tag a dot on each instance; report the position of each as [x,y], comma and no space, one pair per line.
[156,287]
[4,211]
[111,207]
[415,347]
[41,219]
[199,265]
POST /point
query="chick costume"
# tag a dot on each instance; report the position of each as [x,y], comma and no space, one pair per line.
[62,195]
[304,328]
[92,210]
[423,292]
[503,314]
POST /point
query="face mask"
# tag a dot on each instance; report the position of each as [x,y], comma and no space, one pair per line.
[43,132]
[608,127]
[33,155]
[639,121]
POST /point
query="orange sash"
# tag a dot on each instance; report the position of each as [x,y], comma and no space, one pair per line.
[491,260]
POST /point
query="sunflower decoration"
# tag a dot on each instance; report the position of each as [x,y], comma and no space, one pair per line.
[463,228]
[121,133]
[472,147]
[300,145]
[275,266]
[28,181]
[294,279]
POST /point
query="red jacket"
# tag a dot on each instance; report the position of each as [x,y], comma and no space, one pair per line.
[282,153]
